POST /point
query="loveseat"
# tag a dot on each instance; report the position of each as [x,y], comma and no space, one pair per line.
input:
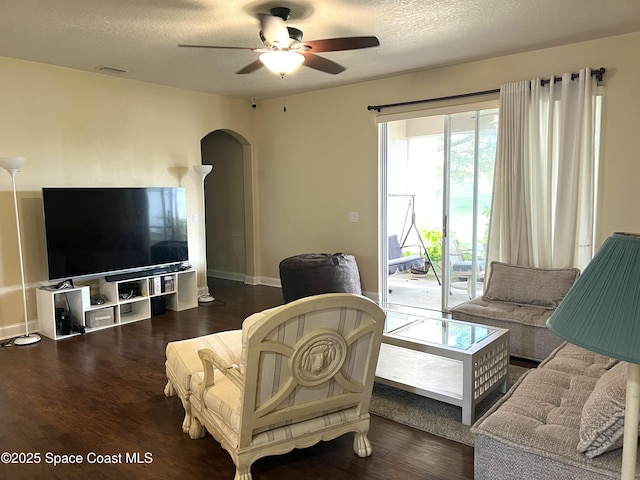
[521,299]
[561,420]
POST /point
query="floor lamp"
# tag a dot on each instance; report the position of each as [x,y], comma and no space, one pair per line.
[601,313]
[13,166]
[204,296]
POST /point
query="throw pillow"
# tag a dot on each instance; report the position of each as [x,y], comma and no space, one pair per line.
[602,421]
[542,287]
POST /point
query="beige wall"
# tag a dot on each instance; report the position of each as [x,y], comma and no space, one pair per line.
[85,129]
[312,165]
[318,161]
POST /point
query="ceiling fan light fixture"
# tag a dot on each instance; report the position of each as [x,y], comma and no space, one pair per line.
[282,62]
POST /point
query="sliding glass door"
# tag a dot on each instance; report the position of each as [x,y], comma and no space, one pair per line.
[470,140]
[437,174]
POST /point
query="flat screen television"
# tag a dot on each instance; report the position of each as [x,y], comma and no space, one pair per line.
[112,230]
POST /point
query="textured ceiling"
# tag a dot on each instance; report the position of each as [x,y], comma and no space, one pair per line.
[142,36]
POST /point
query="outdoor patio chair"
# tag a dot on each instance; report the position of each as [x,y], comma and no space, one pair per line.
[462,268]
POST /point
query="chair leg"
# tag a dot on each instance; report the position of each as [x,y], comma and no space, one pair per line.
[243,474]
[186,423]
[169,391]
[196,429]
[361,445]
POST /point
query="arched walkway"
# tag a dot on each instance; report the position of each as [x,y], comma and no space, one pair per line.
[229,206]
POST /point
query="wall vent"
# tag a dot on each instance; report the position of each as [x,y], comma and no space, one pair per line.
[108,69]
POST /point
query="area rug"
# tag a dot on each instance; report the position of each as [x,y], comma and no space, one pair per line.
[429,415]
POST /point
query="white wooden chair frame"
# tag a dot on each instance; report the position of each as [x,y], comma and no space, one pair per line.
[324,350]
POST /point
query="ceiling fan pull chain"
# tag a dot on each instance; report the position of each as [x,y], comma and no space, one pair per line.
[284,101]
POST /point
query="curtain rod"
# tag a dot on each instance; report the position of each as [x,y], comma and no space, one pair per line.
[598,73]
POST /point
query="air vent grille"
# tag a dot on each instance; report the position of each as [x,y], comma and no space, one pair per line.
[108,69]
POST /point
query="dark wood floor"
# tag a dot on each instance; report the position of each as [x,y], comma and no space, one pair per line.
[101,395]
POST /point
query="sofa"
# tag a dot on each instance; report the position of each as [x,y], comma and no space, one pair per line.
[561,420]
[521,299]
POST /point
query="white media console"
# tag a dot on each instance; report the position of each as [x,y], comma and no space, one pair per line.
[178,291]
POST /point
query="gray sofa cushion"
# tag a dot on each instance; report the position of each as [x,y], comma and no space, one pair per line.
[529,336]
[542,287]
[602,423]
[536,425]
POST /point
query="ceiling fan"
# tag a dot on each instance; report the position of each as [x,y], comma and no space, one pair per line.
[284,50]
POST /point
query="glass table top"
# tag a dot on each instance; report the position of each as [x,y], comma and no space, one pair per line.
[440,331]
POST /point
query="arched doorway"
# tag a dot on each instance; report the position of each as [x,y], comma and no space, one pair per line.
[228,206]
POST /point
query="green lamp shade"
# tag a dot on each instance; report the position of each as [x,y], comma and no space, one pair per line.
[601,312]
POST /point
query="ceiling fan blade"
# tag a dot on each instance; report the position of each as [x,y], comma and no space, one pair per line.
[274,30]
[343,43]
[252,67]
[218,46]
[322,64]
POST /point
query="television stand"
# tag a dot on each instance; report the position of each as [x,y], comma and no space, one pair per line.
[126,300]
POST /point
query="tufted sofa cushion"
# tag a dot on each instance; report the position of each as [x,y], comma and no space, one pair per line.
[541,416]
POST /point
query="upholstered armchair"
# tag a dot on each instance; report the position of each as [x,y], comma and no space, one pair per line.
[305,374]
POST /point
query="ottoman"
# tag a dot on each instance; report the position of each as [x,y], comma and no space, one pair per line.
[183,362]
[316,273]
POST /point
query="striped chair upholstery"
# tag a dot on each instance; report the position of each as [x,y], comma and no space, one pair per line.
[305,374]
[183,361]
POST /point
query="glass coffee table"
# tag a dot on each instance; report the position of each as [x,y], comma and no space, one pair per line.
[452,361]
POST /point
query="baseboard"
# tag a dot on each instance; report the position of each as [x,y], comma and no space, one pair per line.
[234,276]
[251,280]
[275,282]
[267,281]
[246,279]
[17,329]
[270,282]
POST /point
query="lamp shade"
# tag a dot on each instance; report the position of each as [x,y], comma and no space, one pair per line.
[601,312]
[282,62]
[203,169]
[12,163]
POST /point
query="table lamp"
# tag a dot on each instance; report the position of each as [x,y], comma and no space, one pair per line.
[204,295]
[13,165]
[601,313]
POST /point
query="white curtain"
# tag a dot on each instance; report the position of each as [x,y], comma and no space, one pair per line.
[542,212]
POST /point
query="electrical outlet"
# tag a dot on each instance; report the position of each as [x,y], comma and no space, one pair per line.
[353,217]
